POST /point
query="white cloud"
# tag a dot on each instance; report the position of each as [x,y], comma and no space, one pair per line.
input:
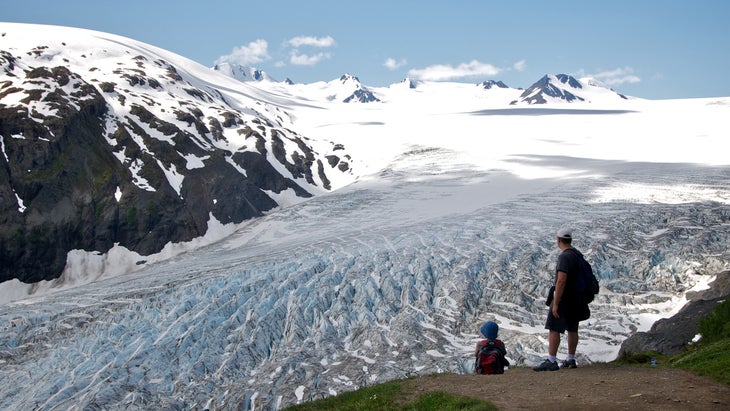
[520,65]
[392,64]
[440,72]
[617,76]
[253,53]
[300,59]
[311,41]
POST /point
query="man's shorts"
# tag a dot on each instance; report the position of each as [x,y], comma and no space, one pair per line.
[562,324]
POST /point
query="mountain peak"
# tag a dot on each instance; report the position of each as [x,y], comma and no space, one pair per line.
[489,84]
[354,92]
[566,88]
[561,81]
[349,78]
[552,87]
[242,73]
[568,80]
[406,83]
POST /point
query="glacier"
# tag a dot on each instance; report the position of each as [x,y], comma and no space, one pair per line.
[449,222]
[355,288]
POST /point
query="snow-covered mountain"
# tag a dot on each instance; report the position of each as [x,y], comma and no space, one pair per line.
[346,89]
[565,88]
[110,142]
[445,219]
[242,73]
[492,83]
[560,88]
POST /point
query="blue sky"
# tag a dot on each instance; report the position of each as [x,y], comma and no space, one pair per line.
[654,49]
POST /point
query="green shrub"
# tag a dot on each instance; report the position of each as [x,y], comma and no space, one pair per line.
[711,355]
[709,359]
[716,326]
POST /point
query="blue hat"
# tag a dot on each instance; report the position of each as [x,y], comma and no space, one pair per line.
[490,330]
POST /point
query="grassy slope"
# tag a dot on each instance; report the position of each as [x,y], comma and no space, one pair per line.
[711,356]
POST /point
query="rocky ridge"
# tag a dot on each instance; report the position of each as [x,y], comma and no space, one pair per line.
[108,141]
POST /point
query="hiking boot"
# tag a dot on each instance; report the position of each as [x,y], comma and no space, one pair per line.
[569,364]
[547,365]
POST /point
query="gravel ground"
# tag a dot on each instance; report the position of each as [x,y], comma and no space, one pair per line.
[595,387]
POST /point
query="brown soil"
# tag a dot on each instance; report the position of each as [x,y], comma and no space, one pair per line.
[594,387]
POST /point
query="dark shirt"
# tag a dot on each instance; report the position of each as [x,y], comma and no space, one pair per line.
[569,263]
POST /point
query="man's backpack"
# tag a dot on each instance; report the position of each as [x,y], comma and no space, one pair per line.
[490,359]
[586,283]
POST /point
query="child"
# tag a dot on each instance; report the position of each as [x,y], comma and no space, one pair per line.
[490,353]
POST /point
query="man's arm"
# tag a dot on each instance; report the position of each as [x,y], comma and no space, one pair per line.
[559,288]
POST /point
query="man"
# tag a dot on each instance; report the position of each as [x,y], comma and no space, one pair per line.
[565,312]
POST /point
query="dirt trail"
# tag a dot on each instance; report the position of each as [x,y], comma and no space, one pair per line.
[594,387]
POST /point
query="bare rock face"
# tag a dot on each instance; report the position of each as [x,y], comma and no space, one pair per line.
[670,335]
[121,148]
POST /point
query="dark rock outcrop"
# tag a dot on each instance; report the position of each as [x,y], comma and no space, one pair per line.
[361,95]
[670,335]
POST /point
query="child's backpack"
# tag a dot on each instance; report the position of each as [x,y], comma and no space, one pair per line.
[489,359]
[586,283]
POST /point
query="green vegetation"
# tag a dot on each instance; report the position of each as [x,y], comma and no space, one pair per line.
[711,355]
[98,210]
[131,218]
[439,400]
[153,215]
[709,359]
[392,396]
[716,326]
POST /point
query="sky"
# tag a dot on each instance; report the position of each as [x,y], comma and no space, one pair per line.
[654,49]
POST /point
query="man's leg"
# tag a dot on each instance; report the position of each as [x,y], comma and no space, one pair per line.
[572,342]
[551,364]
[572,346]
[552,324]
[554,343]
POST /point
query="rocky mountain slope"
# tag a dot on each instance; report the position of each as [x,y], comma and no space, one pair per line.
[110,141]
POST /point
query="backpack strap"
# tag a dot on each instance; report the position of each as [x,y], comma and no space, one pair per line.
[576,252]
